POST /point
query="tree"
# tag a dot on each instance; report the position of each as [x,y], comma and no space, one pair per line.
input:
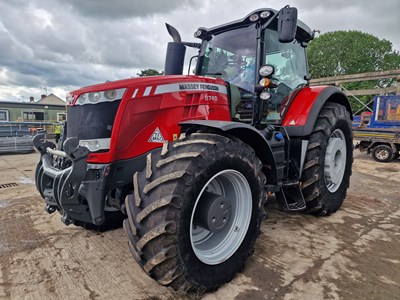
[351,52]
[149,72]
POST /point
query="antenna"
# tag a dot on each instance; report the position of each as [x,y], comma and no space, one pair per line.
[44,88]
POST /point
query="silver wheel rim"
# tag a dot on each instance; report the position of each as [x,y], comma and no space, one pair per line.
[335,160]
[382,154]
[215,248]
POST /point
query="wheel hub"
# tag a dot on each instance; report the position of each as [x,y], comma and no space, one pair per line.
[382,154]
[214,212]
[221,217]
[335,160]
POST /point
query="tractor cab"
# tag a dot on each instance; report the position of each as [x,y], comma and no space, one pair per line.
[236,51]
[265,39]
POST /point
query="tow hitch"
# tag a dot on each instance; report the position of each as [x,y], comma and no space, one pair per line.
[64,190]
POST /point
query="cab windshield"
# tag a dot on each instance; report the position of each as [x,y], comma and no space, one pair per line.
[231,56]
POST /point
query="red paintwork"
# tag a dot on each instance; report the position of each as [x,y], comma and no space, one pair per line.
[138,115]
[301,106]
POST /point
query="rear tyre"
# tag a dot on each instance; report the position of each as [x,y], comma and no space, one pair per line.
[196,212]
[327,167]
[382,153]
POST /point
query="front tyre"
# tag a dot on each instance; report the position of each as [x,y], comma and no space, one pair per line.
[196,211]
[382,153]
[327,167]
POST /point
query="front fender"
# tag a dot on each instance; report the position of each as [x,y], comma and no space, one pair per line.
[306,106]
[247,133]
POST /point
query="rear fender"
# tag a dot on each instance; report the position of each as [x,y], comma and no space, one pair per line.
[306,106]
[248,134]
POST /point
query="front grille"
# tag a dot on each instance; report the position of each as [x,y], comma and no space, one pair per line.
[93,121]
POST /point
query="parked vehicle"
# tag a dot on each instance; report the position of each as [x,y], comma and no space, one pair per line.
[190,159]
[378,132]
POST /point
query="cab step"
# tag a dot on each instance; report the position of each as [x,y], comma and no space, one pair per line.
[290,196]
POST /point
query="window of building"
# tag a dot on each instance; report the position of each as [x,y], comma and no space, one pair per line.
[61,117]
[33,116]
[4,115]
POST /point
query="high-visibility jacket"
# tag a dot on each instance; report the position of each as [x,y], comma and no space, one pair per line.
[57,129]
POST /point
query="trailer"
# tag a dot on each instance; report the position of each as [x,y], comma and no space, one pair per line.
[378,132]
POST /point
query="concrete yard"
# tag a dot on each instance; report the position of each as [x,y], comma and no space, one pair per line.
[353,254]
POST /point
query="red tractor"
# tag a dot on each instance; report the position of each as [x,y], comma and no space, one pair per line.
[188,160]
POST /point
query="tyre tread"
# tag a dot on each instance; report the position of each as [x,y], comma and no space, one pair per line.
[152,224]
[313,184]
[163,228]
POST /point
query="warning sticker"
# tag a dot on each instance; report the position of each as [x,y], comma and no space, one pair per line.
[156,137]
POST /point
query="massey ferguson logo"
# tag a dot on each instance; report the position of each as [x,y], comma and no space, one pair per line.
[198,86]
[156,137]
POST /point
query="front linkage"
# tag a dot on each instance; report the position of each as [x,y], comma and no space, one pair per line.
[71,190]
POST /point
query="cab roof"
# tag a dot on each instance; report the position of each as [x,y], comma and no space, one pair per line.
[303,34]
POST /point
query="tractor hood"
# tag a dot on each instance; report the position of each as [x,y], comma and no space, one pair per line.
[144,86]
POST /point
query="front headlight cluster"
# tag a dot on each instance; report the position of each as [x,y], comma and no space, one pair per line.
[99,97]
[263,15]
[265,71]
[96,144]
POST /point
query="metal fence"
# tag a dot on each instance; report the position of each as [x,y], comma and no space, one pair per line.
[17,137]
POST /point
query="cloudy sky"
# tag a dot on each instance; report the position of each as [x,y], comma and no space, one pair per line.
[62,45]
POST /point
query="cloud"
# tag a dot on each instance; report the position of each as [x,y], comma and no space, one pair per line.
[68,44]
[363,15]
[127,8]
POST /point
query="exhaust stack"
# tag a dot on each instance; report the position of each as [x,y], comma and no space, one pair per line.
[175,56]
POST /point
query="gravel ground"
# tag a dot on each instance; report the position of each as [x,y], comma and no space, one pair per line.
[353,254]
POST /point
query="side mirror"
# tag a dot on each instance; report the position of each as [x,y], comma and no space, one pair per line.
[287,24]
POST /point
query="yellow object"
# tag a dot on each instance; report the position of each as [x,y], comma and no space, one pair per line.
[57,129]
[398,113]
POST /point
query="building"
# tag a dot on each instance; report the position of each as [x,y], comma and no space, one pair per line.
[48,109]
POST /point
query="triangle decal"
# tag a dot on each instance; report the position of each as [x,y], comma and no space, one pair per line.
[156,137]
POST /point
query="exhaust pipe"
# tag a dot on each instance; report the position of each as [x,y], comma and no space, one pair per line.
[175,53]
[173,32]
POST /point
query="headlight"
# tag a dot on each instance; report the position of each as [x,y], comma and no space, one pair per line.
[96,144]
[266,70]
[254,17]
[111,94]
[264,95]
[265,82]
[265,14]
[198,33]
[94,97]
[101,96]
[82,99]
